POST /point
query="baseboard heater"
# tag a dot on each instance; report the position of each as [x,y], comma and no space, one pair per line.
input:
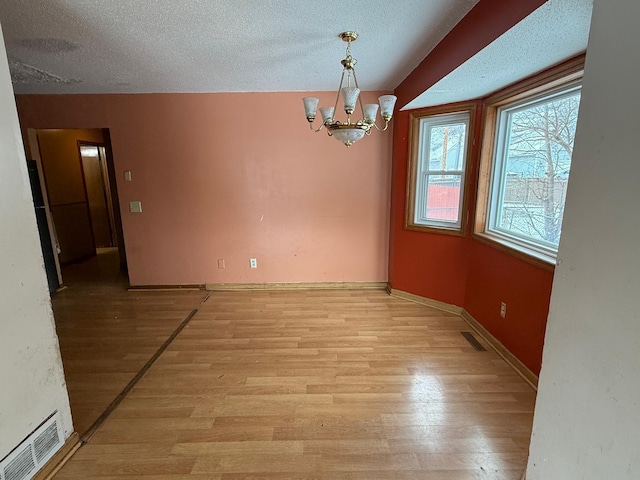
[34,452]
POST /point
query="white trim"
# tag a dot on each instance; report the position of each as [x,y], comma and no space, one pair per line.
[540,249]
[504,241]
[423,172]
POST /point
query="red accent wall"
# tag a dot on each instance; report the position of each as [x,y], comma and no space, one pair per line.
[494,276]
[462,270]
[431,265]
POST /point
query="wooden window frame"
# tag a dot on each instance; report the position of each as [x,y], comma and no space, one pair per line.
[552,79]
[414,161]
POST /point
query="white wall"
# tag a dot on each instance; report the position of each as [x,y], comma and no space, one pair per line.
[31,378]
[587,420]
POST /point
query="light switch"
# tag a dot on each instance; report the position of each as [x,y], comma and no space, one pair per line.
[127,176]
[135,207]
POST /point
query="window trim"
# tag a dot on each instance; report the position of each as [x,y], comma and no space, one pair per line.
[555,79]
[415,117]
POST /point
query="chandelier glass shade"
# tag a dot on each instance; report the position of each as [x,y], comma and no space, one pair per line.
[350,131]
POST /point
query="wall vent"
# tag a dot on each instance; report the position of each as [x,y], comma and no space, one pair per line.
[36,450]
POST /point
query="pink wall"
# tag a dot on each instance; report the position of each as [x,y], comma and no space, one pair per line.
[234,176]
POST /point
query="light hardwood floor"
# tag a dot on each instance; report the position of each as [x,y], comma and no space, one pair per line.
[316,385]
[107,334]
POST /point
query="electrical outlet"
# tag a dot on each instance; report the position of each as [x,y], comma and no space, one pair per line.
[503,310]
[253,263]
[221,265]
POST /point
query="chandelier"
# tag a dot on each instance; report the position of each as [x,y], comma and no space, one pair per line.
[350,132]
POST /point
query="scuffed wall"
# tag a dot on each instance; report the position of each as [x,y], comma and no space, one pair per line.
[31,377]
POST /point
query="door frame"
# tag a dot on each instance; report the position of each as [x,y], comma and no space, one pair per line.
[115,199]
[34,147]
[32,135]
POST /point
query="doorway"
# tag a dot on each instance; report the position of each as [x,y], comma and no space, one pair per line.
[96,182]
[78,184]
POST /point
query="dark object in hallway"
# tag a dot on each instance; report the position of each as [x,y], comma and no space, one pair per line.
[43,228]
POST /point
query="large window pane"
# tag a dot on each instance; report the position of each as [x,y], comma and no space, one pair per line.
[534,149]
[525,162]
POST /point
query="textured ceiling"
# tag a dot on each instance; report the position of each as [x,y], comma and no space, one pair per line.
[555,32]
[142,46]
[117,46]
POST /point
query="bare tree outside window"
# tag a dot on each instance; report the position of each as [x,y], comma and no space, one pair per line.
[536,157]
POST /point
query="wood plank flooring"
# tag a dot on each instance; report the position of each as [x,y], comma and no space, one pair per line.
[316,385]
[107,334]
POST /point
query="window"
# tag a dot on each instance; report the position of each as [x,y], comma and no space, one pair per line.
[437,173]
[526,171]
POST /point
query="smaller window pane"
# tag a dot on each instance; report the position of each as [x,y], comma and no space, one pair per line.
[442,198]
[446,147]
[437,169]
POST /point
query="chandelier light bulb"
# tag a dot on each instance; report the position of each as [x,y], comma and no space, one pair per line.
[310,106]
[370,112]
[327,114]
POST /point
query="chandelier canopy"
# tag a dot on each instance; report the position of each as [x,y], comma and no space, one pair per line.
[350,132]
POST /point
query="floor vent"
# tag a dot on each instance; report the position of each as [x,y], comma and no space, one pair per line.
[473,341]
[31,455]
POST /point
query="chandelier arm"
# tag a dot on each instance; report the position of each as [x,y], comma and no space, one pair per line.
[386,125]
[335,107]
[316,130]
[355,79]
